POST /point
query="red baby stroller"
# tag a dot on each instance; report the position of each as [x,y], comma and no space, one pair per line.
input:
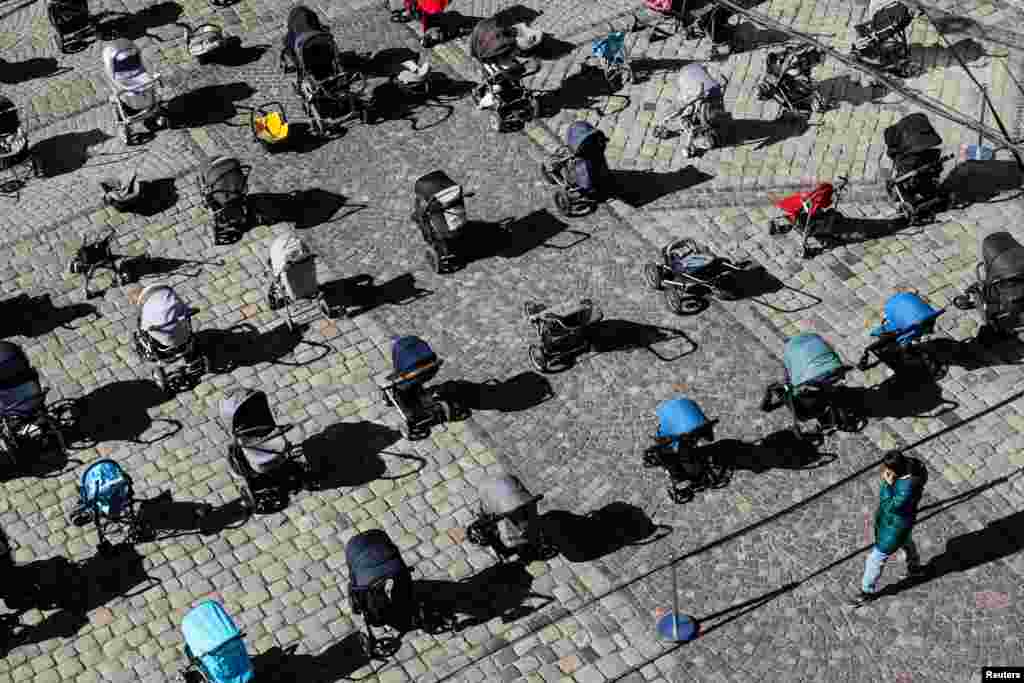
[809,213]
[425,11]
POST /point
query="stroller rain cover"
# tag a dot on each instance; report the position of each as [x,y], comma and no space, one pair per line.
[490,40]
[20,393]
[809,359]
[216,642]
[163,316]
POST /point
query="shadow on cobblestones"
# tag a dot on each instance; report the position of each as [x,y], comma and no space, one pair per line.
[139,24]
[764,133]
[234,54]
[585,89]
[780,450]
[500,591]
[639,188]
[209,105]
[938,56]
[337,662]
[35,316]
[520,392]
[749,37]
[645,67]
[971,354]
[972,182]
[12,73]
[585,538]
[166,518]
[349,454]
[304,208]
[518,237]
[362,292]
[67,152]
[904,395]
[625,335]
[848,88]
[119,412]
[243,345]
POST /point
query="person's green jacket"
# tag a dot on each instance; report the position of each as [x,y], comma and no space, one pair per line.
[897,509]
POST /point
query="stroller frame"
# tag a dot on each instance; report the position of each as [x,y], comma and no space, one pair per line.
[278,298]
[514,103]
[15,155]
[570,199]
[343,86]
[421,408]
[62,39]
[683,486]
[153,118]
[483,531]
[616,68]
[96,254]
[126,523]
[686,291]
[690,124]
[796,93]
[888,347]
[442,252]
[882,44]
[258,488]
[559,343]
[922,211]
[812,221]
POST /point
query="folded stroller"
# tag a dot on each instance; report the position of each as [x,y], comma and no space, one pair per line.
[135,95]
[501,89]
[204,40]
[682,426]
[814,373]
[96,254]
[14,149]
[71,23]
[612,57]
[414,364]
[788,81]
[908,319]
[260,453]
[106,497]
[164,337]
[440,213]
[689,273]
[380,588]
[223,184]
[507,523]
[562,332]
[999,290]
[701,111]
[812,214]
[913,147]
[578,169]
[214,646]
[291,271]
[882,41]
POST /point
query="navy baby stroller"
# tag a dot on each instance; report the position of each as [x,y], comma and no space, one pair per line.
[415,364]
[913,146]
[562,332]
[682,426]
[440,213]
[908,318]
[214,646]
[999,290]
[689,273]
[814,372]
[579,169]
[882,41]
[380,589]
[507,523]
[106,497]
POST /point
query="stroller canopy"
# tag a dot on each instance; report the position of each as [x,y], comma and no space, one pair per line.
[410,353]
[9,119]
[696,83]
[224,176]
[302,20]
[490,40]
[679,416]
[428,186]
[580,133]
[244,408]
[20,393]
[105,485]
[912,134]
[504,495]
[286,250]
[216,642]
[809,359]
[163,315]
[1003,257]
[448,216]
[123,64]
[371,557]
[908,316]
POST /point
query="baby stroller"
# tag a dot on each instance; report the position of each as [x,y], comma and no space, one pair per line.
[214,647]
[71,23]
[562,332]
[501,89]
[882,41]
[14,148]
[136,92]
[689,273]
[291,271]
[223,184]
[164,337]
[106,497]
[908,318]
[414,364]
[96,254]
[697,21]
[613,58]
[681,429]
[788,81]
[507,522]
[701,112]
[260,453]
[269,124]
[814,373]
[27,425]
[380,589]
[578,169]
[812,214]
[440,213]
[913,147]
[203,41]
[999,290]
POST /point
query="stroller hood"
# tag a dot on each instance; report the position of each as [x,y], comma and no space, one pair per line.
[410,353]
[910,135]
[163,314]
[504,495]
[316,51]
[490,40]
[242,408]
[224,175]
[286,250]
[695,82]
[809,359]
[448,215]
[579,133]
[214,639]
[1003,256]
[372,556]
[303,20]
[907,314]
[20,393]
[105,485]
[679,416]
[122,62]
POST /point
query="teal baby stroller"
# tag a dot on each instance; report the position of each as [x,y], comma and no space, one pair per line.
[908,319]
[613,58]
[214,647]
[107,498]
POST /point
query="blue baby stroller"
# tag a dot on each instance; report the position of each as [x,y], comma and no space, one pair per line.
[578,169]
[908,318]
[613,58]
[682,426]
[415,364]
[214,646]
[380,589]
[814,372]
[107,498]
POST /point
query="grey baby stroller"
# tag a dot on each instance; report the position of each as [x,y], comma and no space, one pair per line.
[700,112]
[882,40]
[164,337]
[380,590]
[999,289]
[440,214]
[291,271]
[223,184]
[414,364]
[578,169]
[562,332]
[788,81]
[106,497]
[501,89]
[689,273]
[14,150]
[508,523]
[204,41]
[913,146]
[269,465]
[71,23]
[682,426]
[135,96]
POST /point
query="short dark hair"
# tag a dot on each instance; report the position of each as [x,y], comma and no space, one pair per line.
[895,461]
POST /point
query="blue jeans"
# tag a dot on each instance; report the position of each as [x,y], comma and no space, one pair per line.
[876,562]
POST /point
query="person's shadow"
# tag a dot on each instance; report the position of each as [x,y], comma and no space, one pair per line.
[350,454]
[584,538]
[119,411]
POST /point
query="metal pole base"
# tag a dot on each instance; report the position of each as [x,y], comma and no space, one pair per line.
[677,628]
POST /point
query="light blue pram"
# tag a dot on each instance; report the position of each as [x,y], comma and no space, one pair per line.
[106,497]
[682,426]
[814,371]
[214,646]
[908,319]
[613,57]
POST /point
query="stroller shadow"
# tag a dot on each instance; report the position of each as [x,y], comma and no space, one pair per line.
[164,518]
[937,56]
[625,335]
[500,591]
[137,25]
[520,392]
[349,454]
[362,292]
[748,37]
[12,73]
[119,412]
[585,538]
[551,49]
[155,196]
[972,182]
[34,316]
[391,103]
[765,133]
[234,54]
[781,450]
[67,152]
[903,395]
[522,235]
[847,231]
[971,354]
[338,662]
[755,281]
[388,62]
[639,188]
[645,67]
[454,24]
[848,89]
[140,268]
[206,106]
[585,89]
[301,140]
[517,14]
[243,345]
[304,208]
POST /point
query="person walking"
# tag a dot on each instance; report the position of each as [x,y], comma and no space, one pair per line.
[903,480]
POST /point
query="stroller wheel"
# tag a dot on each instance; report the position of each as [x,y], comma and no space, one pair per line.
[680,492]
[74,266]
[433,259]
[37,167]
[547,174]
[445,410]
[864,363]
[563,203]
[538,358]
[496,122]
[81,518]
[652,276]
[682,304]
[160,377]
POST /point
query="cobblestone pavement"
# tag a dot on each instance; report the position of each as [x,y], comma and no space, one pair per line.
[765,563]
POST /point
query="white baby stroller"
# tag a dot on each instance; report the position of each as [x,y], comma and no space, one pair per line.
[164,336]
[136,91]
[291,271]
[701,110]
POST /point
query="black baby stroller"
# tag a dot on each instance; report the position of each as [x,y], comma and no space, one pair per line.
[578,169]
[913,147]
[223,184]
[907,320]
[96,254]
[562,332]
[882,41]
[414,364]
[507,523]
[999,290]
[71,23]
[689,273]
[814,372]
[380,589]
[14,149]
[440,213]
[164,337]
[682,426]
[788,81]
[106,497]
[260,453]
[501,89]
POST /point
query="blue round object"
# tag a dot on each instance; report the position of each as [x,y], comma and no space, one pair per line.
[678,628]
